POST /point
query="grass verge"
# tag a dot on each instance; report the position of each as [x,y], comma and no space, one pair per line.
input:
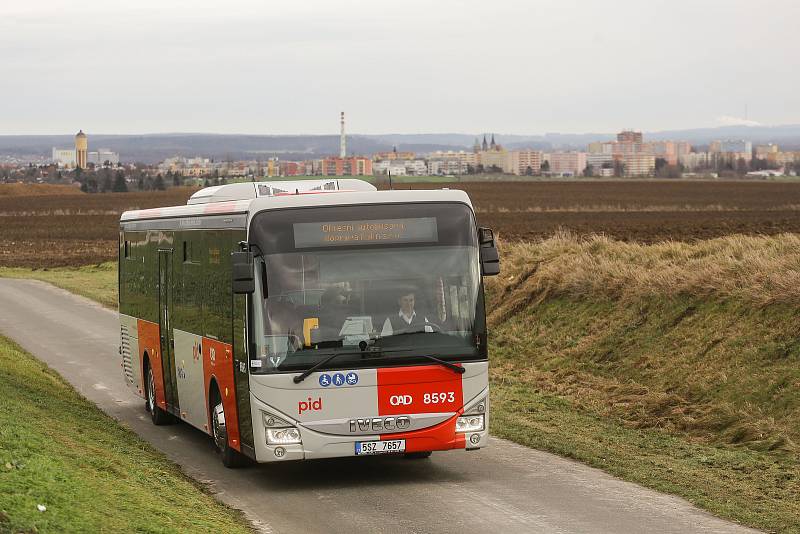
[674,365]
[96,282]
[60,451]
[695,398]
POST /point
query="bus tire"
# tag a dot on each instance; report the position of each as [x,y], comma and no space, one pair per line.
[230,457]
[418,455]
[157,415]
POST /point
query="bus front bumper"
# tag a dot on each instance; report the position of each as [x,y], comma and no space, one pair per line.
[317,445]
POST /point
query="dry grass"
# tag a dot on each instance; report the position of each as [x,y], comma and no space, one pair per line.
[27,190]
[758,270]
[674,364]
[699,339]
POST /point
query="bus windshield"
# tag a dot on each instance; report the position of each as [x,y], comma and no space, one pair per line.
[379,290]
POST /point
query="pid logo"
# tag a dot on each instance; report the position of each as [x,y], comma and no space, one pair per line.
[309,405]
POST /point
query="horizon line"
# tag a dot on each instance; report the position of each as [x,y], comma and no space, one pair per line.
[471,134]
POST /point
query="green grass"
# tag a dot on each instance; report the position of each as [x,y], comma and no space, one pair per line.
[97,282]
[59,450]
[695,397]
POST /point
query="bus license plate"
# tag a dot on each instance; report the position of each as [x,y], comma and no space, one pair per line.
[380,447]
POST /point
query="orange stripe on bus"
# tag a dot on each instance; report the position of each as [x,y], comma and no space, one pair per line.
[150,342]
[218,364]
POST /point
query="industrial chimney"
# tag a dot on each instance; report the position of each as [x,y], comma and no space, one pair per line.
[342,141]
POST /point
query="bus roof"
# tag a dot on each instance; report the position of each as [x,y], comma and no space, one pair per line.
[251,198]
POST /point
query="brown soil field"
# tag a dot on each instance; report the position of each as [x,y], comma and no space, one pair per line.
[636,211]
[49,230]
[69,230]
[627,195]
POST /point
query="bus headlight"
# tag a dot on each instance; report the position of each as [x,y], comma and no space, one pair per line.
[283,436]
[469,423]
[273,421]
[279,431]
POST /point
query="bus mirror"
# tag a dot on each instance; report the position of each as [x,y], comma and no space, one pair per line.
[486,236]
[490,259]
[490,268]
[489,255]
[242,272]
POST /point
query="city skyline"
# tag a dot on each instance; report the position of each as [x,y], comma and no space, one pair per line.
[630,155]
[509,66]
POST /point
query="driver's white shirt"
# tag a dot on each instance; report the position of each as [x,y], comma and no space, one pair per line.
[387,324]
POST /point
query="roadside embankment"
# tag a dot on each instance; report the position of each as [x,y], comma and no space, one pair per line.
[96,282]
[65,466]
[674,365]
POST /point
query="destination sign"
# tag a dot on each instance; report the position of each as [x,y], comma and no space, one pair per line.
[369,232]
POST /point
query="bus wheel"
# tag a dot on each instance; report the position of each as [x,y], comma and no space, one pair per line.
[230,456]
[418,455]
[157,415]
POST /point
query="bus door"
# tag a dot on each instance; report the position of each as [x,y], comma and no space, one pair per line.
[165,325]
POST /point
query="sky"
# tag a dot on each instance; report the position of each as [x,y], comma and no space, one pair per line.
[405,66]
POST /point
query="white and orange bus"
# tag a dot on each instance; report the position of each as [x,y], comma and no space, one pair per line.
[310,319]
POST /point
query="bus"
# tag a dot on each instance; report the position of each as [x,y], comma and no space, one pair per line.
[310,319]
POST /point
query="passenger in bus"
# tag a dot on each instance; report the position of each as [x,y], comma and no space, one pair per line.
[333,311]
[406,319]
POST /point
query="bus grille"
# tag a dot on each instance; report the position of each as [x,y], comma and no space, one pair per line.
[125,348]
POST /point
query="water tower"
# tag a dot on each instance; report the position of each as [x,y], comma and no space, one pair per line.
[81,149]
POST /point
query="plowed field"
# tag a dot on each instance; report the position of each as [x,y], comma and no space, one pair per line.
[641,211]
[79,229]
[70,229]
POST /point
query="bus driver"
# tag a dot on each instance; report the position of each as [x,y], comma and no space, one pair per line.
[406,319]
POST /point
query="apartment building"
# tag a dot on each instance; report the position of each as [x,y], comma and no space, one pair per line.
[348,166]
[566,163]
[636,165]
[526,162]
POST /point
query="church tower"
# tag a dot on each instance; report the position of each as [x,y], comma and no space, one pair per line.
[493,146]
[484,147]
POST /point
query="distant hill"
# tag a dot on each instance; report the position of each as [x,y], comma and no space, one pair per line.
[787,136]
[151,148]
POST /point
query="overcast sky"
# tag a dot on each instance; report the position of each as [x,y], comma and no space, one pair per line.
[405,66]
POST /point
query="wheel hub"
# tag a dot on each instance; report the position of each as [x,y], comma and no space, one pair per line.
[218,426]
[151,390]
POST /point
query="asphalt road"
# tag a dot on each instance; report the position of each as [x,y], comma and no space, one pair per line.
[503,488]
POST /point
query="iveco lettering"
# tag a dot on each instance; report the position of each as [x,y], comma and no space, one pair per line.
[310,319]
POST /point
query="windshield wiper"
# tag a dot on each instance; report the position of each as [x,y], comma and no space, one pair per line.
[453,367]
[302,376]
